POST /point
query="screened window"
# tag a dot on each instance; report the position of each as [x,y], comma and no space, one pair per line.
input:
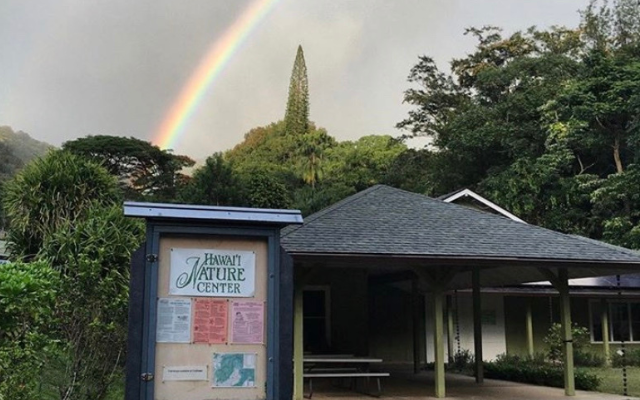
[624,321]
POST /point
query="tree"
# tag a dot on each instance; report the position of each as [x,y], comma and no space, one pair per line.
[311,147]
[92,254]
[145,171]
[215,183]
[48,193]
[261,189]
[543,122]
[296,119]
[362,163]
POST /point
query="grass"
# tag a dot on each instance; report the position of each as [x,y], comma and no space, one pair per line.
[611,380]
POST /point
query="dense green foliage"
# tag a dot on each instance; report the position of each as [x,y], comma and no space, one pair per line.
[92,254]
[65,211]
[27,299]
[145,171]
[525,370]
[544,123]
[48,193]
[553,339]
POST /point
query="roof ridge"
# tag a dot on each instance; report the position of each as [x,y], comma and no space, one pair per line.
[347,200]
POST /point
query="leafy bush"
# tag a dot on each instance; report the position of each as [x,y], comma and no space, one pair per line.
[581,339]
[528,370]
[462,361]
[631,358]
[583,358]
[27,295]
[93,256]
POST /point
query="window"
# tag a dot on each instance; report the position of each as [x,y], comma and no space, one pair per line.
[624,321]
[316,327]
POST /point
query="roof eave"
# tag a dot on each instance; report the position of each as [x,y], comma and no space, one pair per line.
[479,260]
[211,213]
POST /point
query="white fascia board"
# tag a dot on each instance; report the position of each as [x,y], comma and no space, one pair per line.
[497,208]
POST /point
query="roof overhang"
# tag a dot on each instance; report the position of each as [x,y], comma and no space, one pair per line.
[212,213]
[494,271]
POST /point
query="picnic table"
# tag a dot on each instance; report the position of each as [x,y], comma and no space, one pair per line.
[342,366]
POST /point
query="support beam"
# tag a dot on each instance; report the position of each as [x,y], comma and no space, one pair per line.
[438,279]
[604,319]
[450,331]
[550,276]
[298,341]
[529,323]
[438,343]
[567,338]
[477,325]
[415,308]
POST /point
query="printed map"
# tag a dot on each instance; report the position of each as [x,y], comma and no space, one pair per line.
[234,370]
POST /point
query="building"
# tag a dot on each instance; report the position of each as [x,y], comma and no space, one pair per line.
[614,299]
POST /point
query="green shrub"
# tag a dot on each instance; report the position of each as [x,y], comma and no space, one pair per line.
[583,358]
[581,338]
[631,359]
[27,296]
[534,371]
[509,359]
[462,361]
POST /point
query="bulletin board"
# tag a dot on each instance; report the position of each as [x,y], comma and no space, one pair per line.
[211,319]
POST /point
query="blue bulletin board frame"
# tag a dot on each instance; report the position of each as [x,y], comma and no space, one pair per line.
[144,288]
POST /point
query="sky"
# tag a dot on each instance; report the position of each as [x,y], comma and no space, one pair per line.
[71,68]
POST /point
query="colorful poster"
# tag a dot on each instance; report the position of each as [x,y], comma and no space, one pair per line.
[190,373]
[212,273]
[174,321]
[234,370]
[247,322]
[210,321]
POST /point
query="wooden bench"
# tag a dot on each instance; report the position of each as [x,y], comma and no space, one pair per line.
[337,373]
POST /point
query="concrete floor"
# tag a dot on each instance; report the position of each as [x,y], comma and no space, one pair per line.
[406,386]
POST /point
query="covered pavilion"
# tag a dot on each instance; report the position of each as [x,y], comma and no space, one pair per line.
[384,234]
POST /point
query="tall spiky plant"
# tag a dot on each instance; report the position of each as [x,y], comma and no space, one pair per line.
[296,118]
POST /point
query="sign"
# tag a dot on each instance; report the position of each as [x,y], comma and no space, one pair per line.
[192,373]
[234,370]
[210,321]
[174,320]
[213,273]
[247,322]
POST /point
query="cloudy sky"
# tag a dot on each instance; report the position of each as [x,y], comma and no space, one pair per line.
[70,68]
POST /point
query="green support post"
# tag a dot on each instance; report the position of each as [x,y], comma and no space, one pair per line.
[529,322]
[567,338]
[477,325]
[450,330]
[415,308]
[604,316]
[438,342]
[298,342]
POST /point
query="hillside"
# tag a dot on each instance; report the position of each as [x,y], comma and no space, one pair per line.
[17,149]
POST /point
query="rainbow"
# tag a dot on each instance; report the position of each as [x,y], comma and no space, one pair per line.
[209,68]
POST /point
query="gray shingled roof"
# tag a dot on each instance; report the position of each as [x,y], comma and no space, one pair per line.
[391,222]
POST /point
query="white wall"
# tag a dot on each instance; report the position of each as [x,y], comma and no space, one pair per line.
[493,334]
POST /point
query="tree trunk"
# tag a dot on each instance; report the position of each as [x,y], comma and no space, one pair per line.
[616,155]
